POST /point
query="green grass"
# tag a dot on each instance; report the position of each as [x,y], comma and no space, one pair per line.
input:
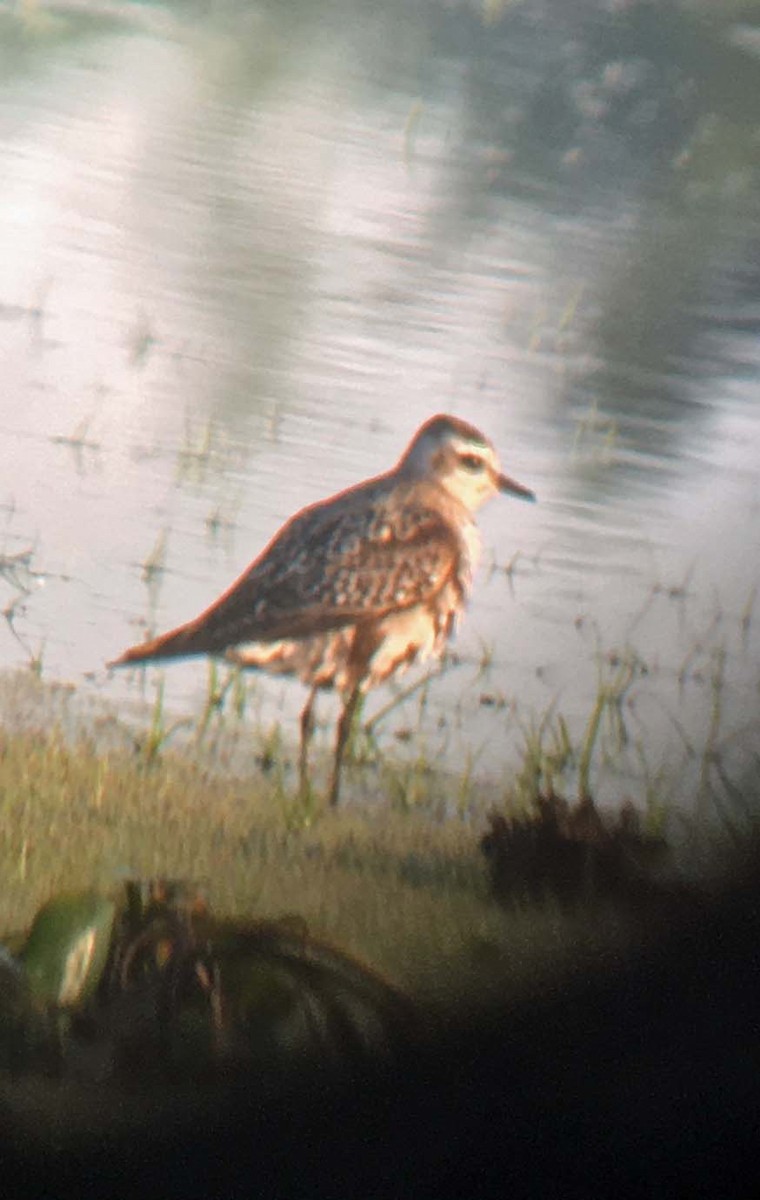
[88,797]
[405,893]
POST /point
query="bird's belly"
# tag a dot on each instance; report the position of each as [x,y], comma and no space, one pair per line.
[317,661]
[325,660]
[330,660]
[411,636]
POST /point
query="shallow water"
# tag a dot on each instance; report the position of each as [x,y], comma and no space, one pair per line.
[247,250]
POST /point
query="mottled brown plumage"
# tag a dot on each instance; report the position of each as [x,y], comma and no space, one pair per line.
[358,586]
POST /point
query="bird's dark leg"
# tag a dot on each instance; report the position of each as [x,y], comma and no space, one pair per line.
[344,728]
[307,731]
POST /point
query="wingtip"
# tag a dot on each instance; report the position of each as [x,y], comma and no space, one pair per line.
[135,654]
[178,643]
[118,662]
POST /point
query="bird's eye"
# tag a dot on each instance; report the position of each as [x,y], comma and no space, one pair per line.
[471,462]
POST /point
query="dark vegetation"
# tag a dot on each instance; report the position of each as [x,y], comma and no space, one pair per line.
[639,1079]
[574,854]
[147,987]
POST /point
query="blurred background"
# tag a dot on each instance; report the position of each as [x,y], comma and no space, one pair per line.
[248,246]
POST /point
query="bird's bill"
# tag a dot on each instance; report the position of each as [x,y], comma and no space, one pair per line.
[505,484]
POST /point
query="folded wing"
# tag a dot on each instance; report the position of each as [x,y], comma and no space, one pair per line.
[330,566]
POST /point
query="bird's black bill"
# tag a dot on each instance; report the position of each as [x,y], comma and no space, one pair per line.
[514,488]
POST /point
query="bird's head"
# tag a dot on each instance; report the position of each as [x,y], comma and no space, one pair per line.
[460,459]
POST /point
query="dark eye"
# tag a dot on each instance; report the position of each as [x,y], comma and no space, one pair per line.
[471,462]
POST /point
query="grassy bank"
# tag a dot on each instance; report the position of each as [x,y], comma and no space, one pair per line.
[408,894]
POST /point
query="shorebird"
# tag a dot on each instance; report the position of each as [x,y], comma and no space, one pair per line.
[359,586]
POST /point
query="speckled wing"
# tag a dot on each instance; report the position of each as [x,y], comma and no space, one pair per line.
[329,567]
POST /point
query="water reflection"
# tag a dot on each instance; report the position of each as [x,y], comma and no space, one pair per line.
[248,249]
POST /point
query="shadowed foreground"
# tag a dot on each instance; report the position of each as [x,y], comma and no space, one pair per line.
[642,1080]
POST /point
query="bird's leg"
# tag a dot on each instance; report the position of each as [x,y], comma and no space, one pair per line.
[307,731]
[344,728]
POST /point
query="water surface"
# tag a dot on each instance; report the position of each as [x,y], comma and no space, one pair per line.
[248,249]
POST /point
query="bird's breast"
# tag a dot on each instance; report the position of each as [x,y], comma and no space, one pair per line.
[471,550]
